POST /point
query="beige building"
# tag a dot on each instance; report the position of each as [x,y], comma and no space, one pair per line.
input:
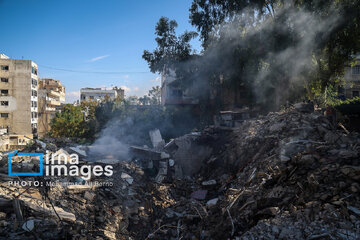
[99,94]
[51,96]
[18,102]
[352,81]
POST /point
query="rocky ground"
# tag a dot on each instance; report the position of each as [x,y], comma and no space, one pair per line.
[287,175]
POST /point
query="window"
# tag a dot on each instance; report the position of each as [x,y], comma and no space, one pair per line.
[4,92]
[355,93]
[34,115]
[34,93]
[4,115]
[355,70]
[91,97]
[34,70]
[4,80]
[33,104]
[177,93]
[34,82]
[4,103]
[4,67]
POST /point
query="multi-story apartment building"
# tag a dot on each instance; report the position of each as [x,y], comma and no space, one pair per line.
[98,94]
[352,81]
[18,101]
[51,96]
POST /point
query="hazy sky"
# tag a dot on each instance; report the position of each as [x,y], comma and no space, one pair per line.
[89,36]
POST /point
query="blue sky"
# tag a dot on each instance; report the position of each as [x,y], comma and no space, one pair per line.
[89,36]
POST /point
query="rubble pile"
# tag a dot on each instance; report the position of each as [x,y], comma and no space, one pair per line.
[293,177]
[287,175]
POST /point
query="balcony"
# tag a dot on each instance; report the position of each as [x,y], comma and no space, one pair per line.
[50,109]
[53,102]
[54,93]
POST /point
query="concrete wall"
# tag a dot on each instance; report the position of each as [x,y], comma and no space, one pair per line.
[352,85]
[19,85]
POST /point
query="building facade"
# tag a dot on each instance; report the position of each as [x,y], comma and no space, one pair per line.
[172,94]
[352,81]
[99,94]
[18,101]
[51,95]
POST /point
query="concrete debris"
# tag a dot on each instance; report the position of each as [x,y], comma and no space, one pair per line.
[28,225]
[164,155]
[212,202]
[127,178]
[199,194]
[77,188]
[304,107]
[54,213]
[78,150]
[90,196]
[156,139]
[42,144]
[145,153]
[107,161]
[286,175]
[209,182]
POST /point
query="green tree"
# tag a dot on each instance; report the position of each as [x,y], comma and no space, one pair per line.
[250,33]
[69,122]
[154,94]
[132,100]
[145,100]
[171,49]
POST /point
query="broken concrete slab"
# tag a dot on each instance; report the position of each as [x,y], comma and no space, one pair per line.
[199,194]
[145,153]
[212,202]
[127,178]
[108,161]
[209,182]
[160,178]
[43,210]
[28,225]
[189,154]
[79,150]
[78,188]
[42,144]
[164,155]
[156,139]
[90,196]
[178,172]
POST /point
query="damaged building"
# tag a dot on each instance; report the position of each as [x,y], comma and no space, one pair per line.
[19,102]
[51,96]
[351,88]
[171,94]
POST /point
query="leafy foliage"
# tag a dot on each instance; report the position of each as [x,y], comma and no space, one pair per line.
[269,52]
[171,48]
[69,122]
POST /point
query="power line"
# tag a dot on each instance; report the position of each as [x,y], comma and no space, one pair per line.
[80,71]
